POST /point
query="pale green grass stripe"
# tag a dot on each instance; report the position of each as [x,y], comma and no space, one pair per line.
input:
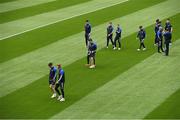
[17,27]
[18,4]
[134,93]
[23,70]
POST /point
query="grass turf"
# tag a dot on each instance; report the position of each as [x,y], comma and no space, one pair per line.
[132,94]
[21,44]
[33,100]
[18,67]
[169,109]
[37,9]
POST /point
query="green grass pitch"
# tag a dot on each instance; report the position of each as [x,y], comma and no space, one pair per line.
[125,84]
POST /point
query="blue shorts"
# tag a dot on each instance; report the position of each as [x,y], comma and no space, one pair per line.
[52,82]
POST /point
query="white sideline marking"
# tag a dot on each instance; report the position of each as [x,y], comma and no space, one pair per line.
[18,4]
[21,26]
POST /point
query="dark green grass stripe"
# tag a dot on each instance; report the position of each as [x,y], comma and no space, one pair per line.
[169,109]
[33,101]
[37,9]
[21,44]
[4,1]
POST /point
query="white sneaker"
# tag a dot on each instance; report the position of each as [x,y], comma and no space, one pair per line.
[54,95]
[114,48]
[144,49]
[62,99]
[107,47]
[92,66]
[119,48]
[138,49]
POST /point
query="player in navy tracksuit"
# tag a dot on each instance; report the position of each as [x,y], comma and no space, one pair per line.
[60,83]
[141,35]
[156,29]
[118,37]
[87,28]
[160,39]
[52,78]
[168,26]
[110,34]
[167,40]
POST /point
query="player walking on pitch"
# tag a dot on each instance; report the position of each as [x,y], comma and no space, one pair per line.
[87,28]
[110,34]
[60,83]
[141,35]
[52,79]
[118,37]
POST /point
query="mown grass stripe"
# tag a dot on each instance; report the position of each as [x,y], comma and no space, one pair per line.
[80,81]
[27,42]
[169,109]
[17,27]
[17,68]
[37,9]
[18,4]
[134,93]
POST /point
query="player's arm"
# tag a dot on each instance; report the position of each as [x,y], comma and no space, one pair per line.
[55,71]
[60,78]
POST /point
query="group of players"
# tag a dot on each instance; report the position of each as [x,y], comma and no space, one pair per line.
[55,83]
[160,33]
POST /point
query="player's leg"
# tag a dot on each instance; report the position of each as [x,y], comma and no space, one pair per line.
[107,42]
[162,47]
[88,60]
[94,59]
[167,49]
[91,62]
[56,88]
[52,87]
[111,38]
[119,43]
[115,39]
[62,91]
[144,47]
[159,46]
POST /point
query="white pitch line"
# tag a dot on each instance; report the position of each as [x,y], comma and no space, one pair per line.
[18,4]
[32,66]
[21,26]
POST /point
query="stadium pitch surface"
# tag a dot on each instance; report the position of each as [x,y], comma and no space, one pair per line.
[125,84]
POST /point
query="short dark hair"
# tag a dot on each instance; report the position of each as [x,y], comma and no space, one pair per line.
[50,64]
[140,27]
[87,20]
[157,20]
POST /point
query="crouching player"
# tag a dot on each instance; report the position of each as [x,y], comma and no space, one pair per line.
[92,52]
[52,79]
[60,83]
